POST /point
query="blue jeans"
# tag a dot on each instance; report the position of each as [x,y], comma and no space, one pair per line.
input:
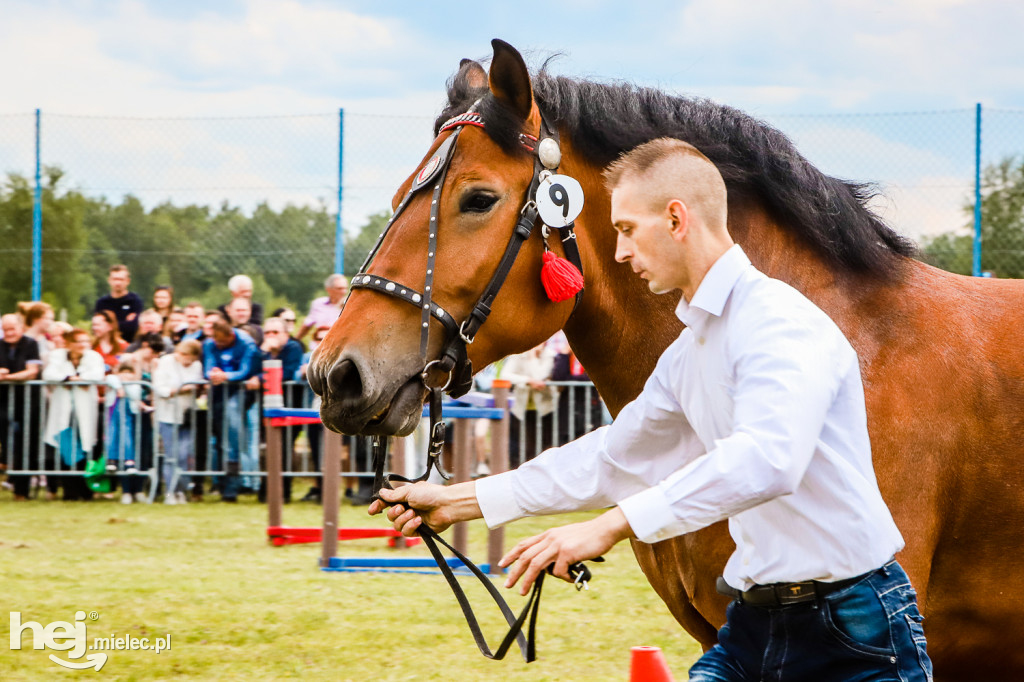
[870,630]
[227,414]
[177,453]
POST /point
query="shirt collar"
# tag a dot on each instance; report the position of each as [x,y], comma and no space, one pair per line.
[714,289]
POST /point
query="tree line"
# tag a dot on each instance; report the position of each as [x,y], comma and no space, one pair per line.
[288,252]
[1002,227]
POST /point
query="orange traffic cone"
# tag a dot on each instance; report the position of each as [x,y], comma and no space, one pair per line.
[648,665]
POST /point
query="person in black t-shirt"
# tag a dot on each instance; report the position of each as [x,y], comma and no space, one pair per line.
[19,362]
[126,305]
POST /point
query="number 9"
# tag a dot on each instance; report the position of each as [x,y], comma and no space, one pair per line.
[559,197]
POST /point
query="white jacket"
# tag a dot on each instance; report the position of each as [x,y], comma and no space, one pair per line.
[84,400]
[170,376]
[529,367]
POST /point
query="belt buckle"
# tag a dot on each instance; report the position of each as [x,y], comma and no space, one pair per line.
[795,593]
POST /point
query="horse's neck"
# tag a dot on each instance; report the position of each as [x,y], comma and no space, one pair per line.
[621,328]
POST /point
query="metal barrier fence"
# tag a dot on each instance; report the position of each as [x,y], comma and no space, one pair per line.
[219,438]
[191,201]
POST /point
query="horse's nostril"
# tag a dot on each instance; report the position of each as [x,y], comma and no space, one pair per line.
[345,382]
[315,379]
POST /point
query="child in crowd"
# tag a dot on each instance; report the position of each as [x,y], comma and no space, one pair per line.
[175,383]
[123,400]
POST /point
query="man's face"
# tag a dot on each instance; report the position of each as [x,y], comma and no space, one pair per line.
[208,324]
[13,331]
[118,282]
[243,292]
[273,332]
[239,311]
[223,340]
[644,237]
[150,325]
[336,292]
[193,318]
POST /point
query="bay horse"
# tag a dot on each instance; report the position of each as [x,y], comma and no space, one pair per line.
[942,355]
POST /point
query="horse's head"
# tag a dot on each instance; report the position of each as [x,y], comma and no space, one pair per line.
[421,290]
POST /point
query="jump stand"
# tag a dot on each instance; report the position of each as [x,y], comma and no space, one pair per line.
[464,415]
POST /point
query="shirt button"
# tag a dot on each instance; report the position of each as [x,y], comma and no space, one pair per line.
[700,340]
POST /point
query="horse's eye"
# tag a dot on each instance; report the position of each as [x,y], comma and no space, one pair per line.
[478,202]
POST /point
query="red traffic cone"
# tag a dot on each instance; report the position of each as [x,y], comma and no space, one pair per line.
[648,665]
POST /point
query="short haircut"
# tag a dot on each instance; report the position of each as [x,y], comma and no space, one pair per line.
[673,169]
[13,317]
[221,317]
[238,282]
[151,314]
[332,279]
[119,268]
[276,322]
[154,341]
[189,347]
[125,366]
[194,304]
[223,327]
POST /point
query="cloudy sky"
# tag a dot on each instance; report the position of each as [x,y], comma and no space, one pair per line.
[783,60]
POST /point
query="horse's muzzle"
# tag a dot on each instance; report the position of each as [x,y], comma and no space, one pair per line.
[356,402]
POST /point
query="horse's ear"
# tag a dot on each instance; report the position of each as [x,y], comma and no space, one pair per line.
[510,79]
[472,74]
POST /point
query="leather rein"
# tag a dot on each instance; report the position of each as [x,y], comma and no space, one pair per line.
[453,361]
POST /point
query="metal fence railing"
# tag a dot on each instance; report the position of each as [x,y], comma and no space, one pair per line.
[114,446]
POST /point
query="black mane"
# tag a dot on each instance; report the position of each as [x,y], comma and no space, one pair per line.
[756,160]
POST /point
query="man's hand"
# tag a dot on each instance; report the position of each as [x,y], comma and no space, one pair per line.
[3,373]
[413,505]
[217,376]
[252,383]
[438,506]
[564,546]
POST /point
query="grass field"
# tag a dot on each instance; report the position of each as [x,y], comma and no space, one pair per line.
[237,608]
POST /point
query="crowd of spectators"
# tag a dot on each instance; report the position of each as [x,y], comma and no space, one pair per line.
[139,379]
[186,381]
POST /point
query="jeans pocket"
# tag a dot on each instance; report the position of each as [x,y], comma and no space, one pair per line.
[915,623]
[858,625]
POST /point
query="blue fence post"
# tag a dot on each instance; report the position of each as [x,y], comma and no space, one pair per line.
[976,269]
[339,238]
[37,225]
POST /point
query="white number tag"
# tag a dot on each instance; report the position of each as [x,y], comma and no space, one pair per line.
[559,200]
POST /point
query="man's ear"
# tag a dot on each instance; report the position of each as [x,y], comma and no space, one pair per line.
[679,215]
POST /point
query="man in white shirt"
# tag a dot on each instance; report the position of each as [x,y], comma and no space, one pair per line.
[754,414]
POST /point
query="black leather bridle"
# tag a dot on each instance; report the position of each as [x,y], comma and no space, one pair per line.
[453,360]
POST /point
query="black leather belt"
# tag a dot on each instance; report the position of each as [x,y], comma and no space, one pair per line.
[785,594]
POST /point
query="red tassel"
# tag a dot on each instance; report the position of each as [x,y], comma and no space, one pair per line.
[561,279]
